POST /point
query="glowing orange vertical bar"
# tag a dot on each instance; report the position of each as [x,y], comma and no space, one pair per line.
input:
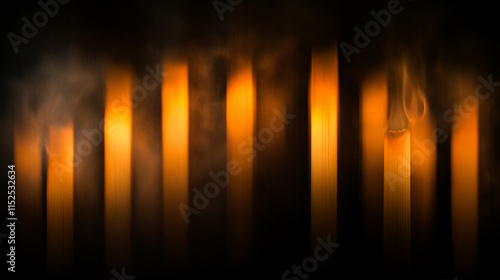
[175,126]
[464,195]
[240,122]
[28,160]
[30,210]
[60,198]
[323,108]
[117,165]
[397,201]
[374,94]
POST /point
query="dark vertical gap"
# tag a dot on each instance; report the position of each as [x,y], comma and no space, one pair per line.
[207,155]
[489,193]
[88,239]
[298,156]
[281,188]
[146,172]
[443,255]
[349,173]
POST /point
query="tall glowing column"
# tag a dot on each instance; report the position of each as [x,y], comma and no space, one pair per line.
[60,198]
[175,126]
[117,166]
[323,109]
[240,122]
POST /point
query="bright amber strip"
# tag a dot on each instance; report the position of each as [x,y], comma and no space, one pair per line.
[175,126]
[374,94]
[397,200]
[117,165]
[29,202]
[464,194]
[60,198]
[323,108]
[240,121]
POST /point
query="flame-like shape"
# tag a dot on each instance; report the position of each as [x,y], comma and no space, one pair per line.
[414,101]
[408,103]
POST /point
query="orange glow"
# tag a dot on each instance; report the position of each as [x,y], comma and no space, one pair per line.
[60,198]
[373,112]
[240,122]
[323,108]
[175,125]
[464,192]
[117,165]
[29,202]
[397,200]
[28,160]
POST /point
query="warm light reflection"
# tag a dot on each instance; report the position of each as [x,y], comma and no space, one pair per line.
[397,201]
[60,198]
[464,191]
[117,165]
[175,125]
[373,112]
[240,122]
[323,107]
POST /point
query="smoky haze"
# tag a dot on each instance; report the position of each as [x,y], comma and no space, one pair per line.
[59,74]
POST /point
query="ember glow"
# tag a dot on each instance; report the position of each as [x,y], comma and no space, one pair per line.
[240,139]
[28,160]
[117,164]
[373,107]
[175,126]
[397,201]
[323,106]
[464,190]
[60,198]
[240,122]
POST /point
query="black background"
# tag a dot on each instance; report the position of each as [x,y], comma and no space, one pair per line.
[459,35]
